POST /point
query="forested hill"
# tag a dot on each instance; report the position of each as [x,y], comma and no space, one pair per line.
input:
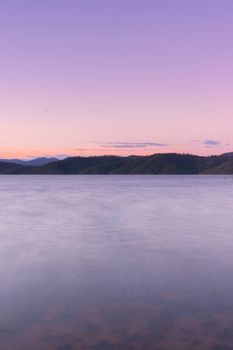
[168,163]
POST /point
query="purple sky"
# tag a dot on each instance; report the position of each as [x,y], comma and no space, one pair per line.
[120,76]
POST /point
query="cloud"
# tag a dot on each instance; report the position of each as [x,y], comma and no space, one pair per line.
[208,143]
[81,149]
[61,156]
[133,144]
[85,149]
[211,143]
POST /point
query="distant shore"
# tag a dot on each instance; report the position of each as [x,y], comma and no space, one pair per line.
[157,164]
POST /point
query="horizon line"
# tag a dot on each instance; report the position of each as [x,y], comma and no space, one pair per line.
[108,155]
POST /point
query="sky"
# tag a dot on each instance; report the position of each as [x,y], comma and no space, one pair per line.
[87,77]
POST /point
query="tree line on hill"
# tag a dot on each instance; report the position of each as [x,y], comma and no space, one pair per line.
[168,163]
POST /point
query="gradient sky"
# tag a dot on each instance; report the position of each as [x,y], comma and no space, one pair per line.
[115,76]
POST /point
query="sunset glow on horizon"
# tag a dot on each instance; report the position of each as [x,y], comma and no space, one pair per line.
[115,77]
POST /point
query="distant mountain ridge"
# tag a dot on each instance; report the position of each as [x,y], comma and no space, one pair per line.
[36,161]
[161,163]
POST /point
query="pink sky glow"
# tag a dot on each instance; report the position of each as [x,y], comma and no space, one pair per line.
[115,77]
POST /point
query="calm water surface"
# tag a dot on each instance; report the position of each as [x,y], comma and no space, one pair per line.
[116,262]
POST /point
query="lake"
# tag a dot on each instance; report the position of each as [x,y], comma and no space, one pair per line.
[116,262]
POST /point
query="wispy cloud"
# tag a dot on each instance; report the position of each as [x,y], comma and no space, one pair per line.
[85,149]
[132,144]
[209,143]
[120,148]
[61,156]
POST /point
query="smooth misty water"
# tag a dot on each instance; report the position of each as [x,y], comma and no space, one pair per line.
[116,262]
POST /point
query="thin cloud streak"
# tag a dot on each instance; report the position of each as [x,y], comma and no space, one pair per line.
[210,143]
[132,145]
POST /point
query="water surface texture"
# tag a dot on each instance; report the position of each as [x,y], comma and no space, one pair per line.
[116,262]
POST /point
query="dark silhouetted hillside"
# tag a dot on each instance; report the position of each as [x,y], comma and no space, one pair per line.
[169,163]
[36,161]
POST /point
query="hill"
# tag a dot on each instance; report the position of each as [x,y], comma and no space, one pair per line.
[36,161]
[168,163]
